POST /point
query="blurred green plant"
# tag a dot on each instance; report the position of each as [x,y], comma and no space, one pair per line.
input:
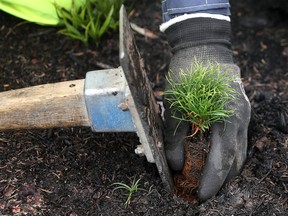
[90,21]
[200,93]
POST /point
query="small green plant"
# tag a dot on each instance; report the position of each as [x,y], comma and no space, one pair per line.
[131,189]
[91,21]
[200,94]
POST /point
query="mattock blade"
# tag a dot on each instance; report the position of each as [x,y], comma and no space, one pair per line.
[142,104]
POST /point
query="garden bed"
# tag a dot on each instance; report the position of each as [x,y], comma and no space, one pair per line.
[70,171]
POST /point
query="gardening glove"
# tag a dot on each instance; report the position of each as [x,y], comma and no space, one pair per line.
[208,40]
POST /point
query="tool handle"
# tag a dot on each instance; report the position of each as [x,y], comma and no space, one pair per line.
[44,106]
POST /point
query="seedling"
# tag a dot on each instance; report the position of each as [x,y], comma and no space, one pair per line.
[200,94]
[91,21]
[131,189]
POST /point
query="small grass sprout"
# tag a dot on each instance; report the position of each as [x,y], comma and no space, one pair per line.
[130,189]
[200,94]
[90,21]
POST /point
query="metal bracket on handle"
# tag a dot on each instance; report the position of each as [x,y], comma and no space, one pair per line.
[106,94]
[111,108]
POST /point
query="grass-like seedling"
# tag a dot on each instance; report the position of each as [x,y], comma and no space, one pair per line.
[200,94]
[131,189]
[91,21]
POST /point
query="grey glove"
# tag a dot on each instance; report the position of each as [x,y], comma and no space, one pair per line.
[207,39]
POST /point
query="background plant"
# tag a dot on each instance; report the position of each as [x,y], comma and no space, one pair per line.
[200,94]
[90,21]
[130,189]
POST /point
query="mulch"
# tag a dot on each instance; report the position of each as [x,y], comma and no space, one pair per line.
[71,171]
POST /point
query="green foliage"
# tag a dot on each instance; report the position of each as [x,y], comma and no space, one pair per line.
[200,94]
[91,21]
[130,189]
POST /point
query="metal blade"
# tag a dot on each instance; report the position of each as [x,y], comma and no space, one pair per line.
[145,112]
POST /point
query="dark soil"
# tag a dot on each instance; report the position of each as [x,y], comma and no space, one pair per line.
[70,171]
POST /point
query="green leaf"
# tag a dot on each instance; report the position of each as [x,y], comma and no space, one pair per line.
[105,25]
[90,21]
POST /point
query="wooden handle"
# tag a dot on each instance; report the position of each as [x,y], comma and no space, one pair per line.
[44,106]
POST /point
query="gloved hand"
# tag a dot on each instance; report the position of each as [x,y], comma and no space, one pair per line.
[207,39]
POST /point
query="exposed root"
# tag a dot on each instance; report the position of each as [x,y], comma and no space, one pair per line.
[194,130]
